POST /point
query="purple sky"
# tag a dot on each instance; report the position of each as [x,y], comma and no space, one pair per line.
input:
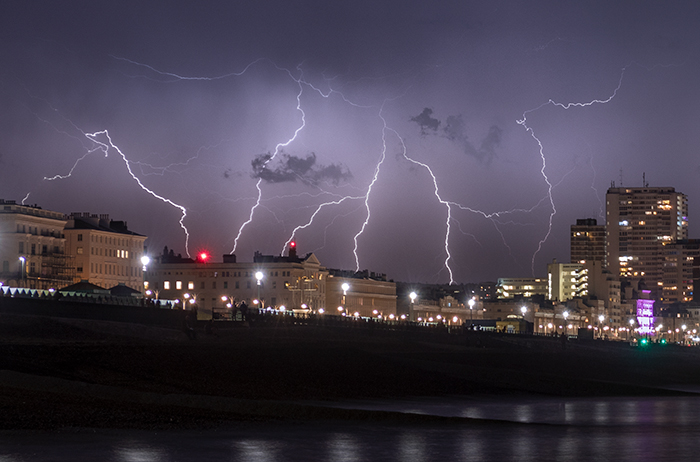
[206,100]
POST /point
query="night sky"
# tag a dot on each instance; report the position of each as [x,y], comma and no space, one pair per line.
[210,105]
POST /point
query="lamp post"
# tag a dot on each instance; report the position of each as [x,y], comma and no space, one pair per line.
[144,262]
[259,276]
[345,286]
[565,314]
[630,329]
[411,310]
[22,261]
[601,318]
[471,303]
[229,302]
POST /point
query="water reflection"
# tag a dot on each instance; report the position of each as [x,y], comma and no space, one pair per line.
[139,452]
[566,411]
[250,450]
[343,447]
[639,429]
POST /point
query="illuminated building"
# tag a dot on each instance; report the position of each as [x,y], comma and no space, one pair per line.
[587,241]
[447,310]
[501,309]
[681,268]
[639,222]
[106,252]
[521,287]
[566,281]
[367,294]
[295,283]
[645,316]
[33,247]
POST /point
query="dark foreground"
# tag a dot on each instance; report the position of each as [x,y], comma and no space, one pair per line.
[57,372]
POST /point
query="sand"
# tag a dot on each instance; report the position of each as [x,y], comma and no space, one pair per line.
[61,373]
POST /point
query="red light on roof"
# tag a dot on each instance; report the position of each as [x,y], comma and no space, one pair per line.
[292,244]
[204,256]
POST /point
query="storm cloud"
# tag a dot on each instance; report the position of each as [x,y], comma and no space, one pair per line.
[455,131]
[426,121]
[303,169]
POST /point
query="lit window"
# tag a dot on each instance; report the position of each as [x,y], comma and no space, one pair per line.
[166,285]
[178,285]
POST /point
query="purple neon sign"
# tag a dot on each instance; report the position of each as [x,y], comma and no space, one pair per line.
[645,316]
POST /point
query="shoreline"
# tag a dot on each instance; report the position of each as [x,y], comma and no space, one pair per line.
[57,373]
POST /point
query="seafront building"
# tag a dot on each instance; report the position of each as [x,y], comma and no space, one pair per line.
[587,241]
[681,270]
[106,253]
[521,287]
[277,282]
[289,283]
[360,293]
[566,281]
[639,222]
[33,247]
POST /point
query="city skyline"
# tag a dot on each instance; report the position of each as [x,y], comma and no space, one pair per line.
[524,114]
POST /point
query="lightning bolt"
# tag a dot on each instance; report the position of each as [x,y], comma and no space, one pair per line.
[75,164]
[436,191]
[277,150]
[523,122]
[105,148]
[313,217]
[366,198]
[176,77]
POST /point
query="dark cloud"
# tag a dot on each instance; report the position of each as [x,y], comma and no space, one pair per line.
[486,151]
[455,130]
[491,141]
[303,169]
[426,121]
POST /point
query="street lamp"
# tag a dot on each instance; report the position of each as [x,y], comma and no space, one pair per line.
[413,297]
[345,286]
[566,328]
[471,303]
[630,329]
[192,299]
[259,276]
[144,261]
[22,266]
[601,318]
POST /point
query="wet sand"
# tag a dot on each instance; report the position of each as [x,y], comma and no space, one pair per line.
[59,372]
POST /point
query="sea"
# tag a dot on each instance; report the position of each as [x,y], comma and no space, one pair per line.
[493,429]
